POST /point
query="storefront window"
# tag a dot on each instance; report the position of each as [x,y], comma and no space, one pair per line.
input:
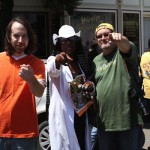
[86,22]
[131,28]
[146,25]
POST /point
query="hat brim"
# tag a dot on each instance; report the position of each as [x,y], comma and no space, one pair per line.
[71,35]
[56,37]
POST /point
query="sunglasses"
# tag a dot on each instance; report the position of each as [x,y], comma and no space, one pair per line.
[65,40]
[101,35]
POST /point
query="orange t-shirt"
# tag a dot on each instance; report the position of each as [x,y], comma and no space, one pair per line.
[18,116]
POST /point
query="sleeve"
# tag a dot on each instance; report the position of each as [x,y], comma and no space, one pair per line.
[132,60]
[51,67]
[39,70]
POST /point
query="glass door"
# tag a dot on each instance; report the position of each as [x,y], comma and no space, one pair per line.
[146,30]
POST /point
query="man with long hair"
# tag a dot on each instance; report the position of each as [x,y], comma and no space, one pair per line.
[22,78]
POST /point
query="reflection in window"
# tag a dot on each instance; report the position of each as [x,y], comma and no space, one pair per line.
[131,27]
[86,22]
[146,25]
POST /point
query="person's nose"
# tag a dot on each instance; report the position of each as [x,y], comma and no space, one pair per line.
[103,36]
[20,39]
[68,43]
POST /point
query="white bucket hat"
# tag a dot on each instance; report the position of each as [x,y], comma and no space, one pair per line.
[65,31]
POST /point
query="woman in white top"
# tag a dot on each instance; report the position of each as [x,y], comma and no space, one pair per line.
[68,131]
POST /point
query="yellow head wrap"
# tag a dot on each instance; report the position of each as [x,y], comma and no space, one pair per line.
[104,26]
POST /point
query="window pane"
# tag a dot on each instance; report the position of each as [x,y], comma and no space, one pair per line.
[86,22]
[146,26]
[131,27]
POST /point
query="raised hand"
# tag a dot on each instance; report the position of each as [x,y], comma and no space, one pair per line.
[63,59]
[26,72]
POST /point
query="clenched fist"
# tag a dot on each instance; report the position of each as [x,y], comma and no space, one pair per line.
[63,59]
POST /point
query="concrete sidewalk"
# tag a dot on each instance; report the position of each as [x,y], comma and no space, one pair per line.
[146,130]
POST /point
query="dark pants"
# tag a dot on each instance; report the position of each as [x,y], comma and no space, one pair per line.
[146,118]
[18,143]
[121,140]
[79,125]
[94,138]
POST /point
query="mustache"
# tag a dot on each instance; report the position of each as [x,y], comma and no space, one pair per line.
[20,44]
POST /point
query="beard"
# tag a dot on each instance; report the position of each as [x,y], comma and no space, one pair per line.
[105,45]
[108,45]
[19,50]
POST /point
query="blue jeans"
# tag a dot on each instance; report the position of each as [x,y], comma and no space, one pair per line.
[94,136]
[121,140]
[18,143]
